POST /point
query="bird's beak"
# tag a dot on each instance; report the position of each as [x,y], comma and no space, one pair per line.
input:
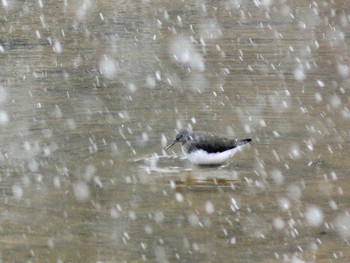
[170,144]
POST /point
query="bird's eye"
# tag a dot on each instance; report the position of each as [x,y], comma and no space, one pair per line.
[179,136]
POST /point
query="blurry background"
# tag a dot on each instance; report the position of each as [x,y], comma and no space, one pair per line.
[91,91]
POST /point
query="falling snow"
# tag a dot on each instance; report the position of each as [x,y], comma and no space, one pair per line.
[17,191]
[57,47]
[81,191]
[209,207]
[108,67]
[299,74]
[91,93]
[183,50]
[4,118]
[343,70]
[342,225]
[278,223]
[313,216]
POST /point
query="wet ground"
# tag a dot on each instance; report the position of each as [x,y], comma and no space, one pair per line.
[91,92]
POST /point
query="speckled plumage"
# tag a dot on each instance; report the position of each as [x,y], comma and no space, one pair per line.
[207,148]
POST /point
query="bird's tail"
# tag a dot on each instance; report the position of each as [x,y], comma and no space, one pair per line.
[244,141]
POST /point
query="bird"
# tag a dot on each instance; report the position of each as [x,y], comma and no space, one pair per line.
[205,148]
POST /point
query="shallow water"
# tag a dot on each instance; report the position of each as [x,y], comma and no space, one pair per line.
[91,92]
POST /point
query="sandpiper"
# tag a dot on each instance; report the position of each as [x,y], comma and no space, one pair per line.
[205,148]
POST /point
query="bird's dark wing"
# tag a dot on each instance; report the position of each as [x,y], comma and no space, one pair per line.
[212,143]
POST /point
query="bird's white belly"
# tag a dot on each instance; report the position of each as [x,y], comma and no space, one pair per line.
[203,157]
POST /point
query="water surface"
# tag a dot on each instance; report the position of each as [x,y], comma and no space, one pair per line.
[90,93]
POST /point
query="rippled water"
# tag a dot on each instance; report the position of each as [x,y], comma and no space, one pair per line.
[91,91]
